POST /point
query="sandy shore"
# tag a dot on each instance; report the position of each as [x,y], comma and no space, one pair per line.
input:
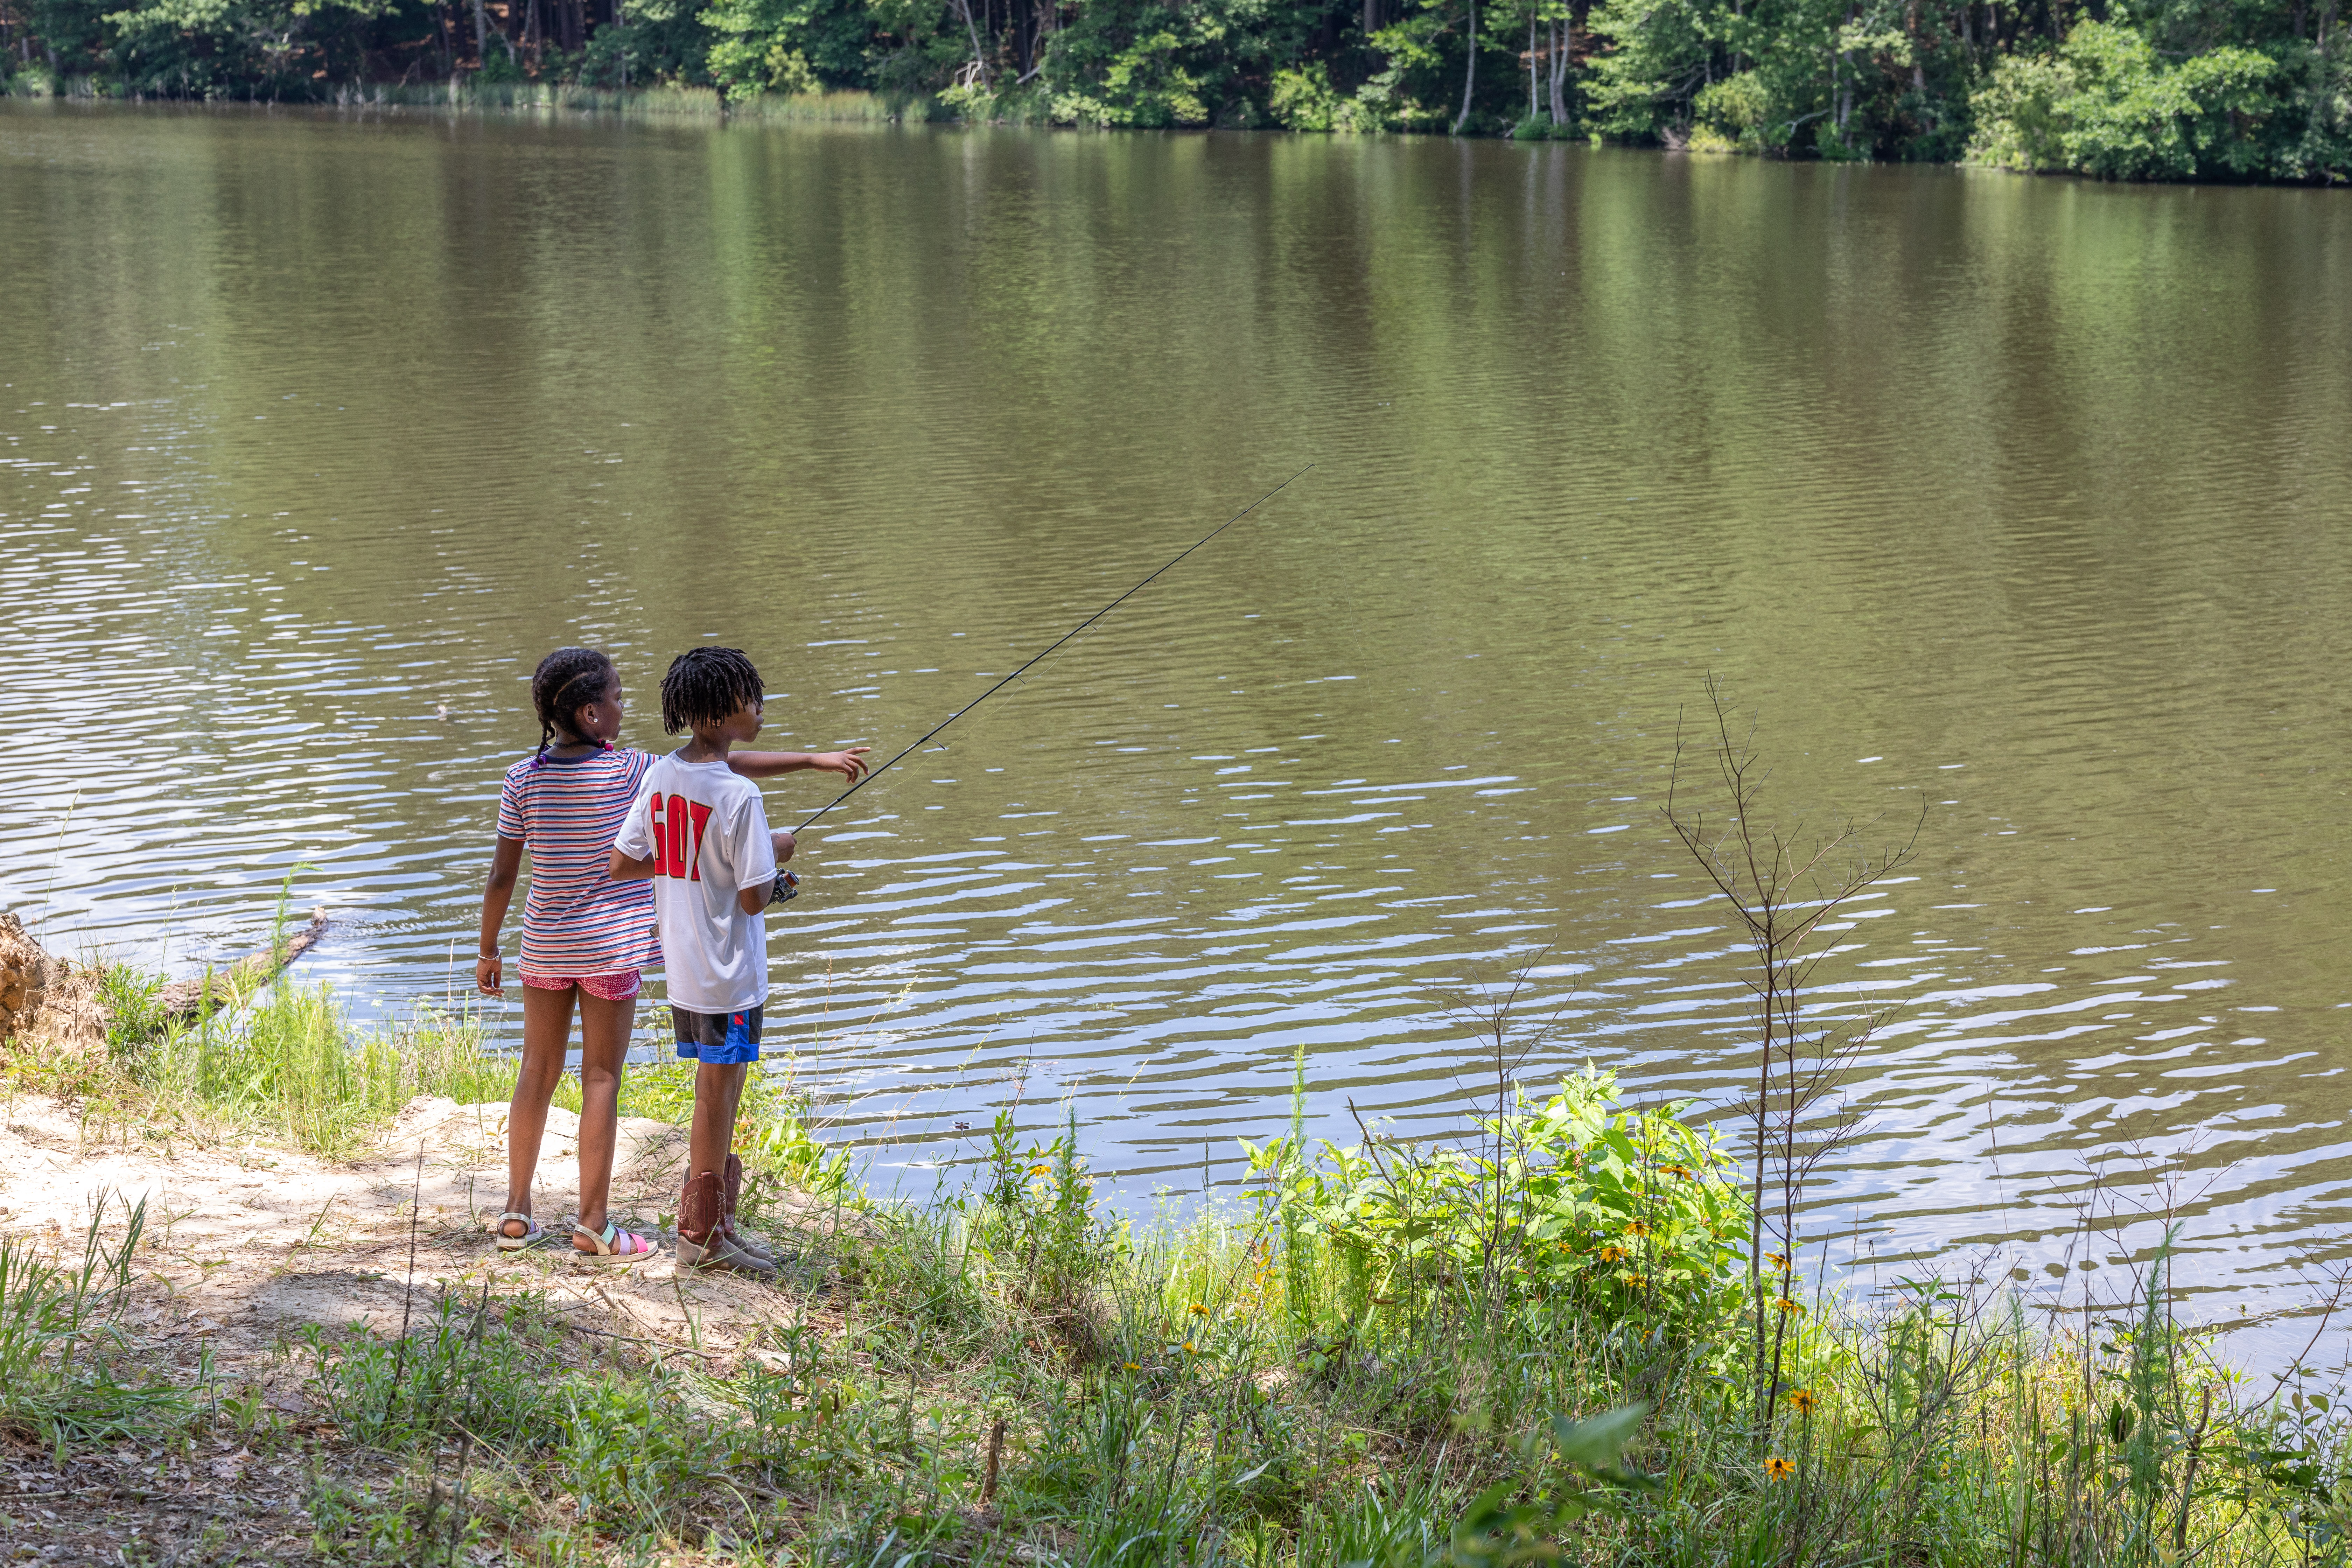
[248,1245]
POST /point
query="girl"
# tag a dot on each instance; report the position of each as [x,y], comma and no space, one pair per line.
[584,938]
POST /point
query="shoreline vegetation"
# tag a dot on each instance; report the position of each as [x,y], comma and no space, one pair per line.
[2160,91]
[1582,1330]
[1530,1344]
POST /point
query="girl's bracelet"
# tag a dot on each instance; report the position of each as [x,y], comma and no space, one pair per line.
[487,957]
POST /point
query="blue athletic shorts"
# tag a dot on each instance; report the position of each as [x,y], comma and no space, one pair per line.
[722,1039]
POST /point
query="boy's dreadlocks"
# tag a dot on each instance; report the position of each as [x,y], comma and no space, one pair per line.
[705,685]
[566,681]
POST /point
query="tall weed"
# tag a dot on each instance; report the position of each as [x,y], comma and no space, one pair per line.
[64,1378]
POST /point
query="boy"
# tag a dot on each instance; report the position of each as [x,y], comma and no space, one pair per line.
[697,830]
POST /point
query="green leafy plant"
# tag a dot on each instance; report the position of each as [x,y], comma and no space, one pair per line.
[1623,1213]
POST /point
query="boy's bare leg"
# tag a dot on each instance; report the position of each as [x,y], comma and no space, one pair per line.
[702,1212]
[604,1041]
[546,1032]
[735,1105]
[717,1091]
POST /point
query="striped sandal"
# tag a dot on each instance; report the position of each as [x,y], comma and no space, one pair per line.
[615,1248]
[531,1236]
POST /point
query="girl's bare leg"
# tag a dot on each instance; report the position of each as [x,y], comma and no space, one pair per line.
[604,1041]
[546,1033]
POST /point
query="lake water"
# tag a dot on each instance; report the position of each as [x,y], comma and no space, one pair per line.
[2031,495]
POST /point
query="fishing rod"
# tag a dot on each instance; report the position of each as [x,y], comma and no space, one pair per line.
[876,772]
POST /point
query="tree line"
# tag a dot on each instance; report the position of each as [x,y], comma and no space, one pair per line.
[2205,89]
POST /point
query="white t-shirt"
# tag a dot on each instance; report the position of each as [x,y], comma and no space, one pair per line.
[704,828]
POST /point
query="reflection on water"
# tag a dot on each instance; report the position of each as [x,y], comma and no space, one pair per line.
[2029,495]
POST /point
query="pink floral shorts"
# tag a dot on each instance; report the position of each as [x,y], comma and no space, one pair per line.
[621,985]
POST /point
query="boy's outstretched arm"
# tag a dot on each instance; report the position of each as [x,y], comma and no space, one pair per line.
[850,763]
[629,868]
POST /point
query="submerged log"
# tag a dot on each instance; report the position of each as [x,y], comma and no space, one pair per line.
[183,999]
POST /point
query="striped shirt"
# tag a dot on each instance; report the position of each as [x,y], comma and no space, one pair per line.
[577,920]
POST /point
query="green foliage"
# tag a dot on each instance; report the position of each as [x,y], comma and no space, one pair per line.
[1738,110]
[74,34]
[215,48]
[1525,1345]
[63,1377]
[2105,103]
[1245,1397]
[1153,64]
[1302,99]
[795,47]
[285,1060]
[478,1366]
[133,1001]
[2181,90]
[1624,1214]
[289,1062]
[1035,1219]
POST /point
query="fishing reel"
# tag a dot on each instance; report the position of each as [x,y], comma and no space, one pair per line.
[787,888]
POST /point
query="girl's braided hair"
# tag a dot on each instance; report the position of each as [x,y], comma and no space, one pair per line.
[566,681]
[705,685]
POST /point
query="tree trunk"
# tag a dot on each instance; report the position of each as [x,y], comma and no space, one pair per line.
[1563,45]
[481,38]
[979,57]
[1531,65]
[1842,82]
[1371,19]
[1469,74]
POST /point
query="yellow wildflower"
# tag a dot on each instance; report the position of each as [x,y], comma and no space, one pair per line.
[1637,1228]
[1778,1263]
[1794,1309]
[1199,1311]
[1802,1402]
[1779,1469]
[1612,1254]
[1188,1350]
[1132,1367]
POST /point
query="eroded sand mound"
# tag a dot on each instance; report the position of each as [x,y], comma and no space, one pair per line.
[45,1002]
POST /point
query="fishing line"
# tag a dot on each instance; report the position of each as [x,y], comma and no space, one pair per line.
[1040,657]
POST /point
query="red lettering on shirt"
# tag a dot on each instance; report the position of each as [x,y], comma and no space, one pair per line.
[654,804]
[701,814]
[676,825]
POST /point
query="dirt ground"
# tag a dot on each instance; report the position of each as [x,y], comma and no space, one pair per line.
[247,1244]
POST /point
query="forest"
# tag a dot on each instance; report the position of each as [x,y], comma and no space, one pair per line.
[2171,90]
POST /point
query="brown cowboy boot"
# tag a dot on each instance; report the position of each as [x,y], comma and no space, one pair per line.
[702,1240]
[731,1181]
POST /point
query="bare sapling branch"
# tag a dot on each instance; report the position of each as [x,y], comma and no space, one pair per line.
[1783,884]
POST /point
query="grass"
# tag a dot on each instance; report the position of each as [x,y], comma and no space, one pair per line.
[1157,1395]
[665,101]
[1530,1344]
[280,1060]
[65,1380]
